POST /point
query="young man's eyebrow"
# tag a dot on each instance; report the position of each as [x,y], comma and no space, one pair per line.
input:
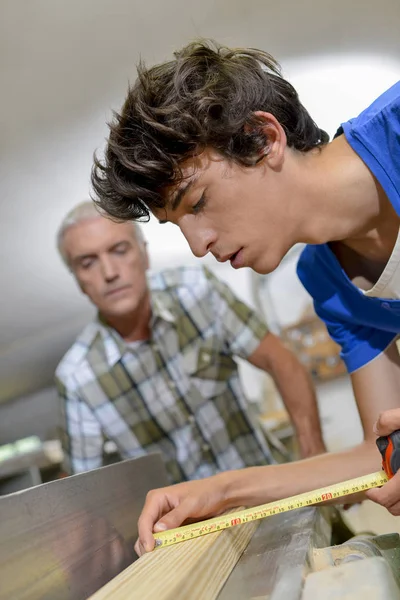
[179,197]
[181,192]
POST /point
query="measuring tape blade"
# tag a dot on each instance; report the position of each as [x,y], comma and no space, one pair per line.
[337,490]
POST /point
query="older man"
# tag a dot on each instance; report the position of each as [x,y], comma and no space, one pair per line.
[156,370]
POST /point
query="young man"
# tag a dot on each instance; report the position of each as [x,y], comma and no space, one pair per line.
[217,142]
[156,370]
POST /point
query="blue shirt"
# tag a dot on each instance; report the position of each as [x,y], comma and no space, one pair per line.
[361,325]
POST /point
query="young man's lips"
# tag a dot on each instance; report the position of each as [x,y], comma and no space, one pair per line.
[237,259]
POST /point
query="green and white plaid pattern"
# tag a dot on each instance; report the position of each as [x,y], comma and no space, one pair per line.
[178,393]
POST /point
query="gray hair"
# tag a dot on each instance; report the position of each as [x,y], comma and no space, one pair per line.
[84,211]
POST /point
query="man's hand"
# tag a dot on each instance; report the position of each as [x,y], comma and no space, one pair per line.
[296,389]
[169,507]
[389,495]
[311,446]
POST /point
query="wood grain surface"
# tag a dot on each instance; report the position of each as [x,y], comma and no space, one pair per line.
[196,569]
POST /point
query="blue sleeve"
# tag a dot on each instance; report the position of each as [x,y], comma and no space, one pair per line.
[359,343]
[375,136]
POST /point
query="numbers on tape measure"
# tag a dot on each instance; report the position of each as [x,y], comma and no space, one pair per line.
[167,538]
[327,496]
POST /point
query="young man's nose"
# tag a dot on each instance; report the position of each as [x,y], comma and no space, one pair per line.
[199,240]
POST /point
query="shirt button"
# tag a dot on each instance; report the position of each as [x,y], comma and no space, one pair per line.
[171,385]
[205,447]
[191,419]
[385,305]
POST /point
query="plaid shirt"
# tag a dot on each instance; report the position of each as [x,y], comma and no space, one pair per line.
[178,393]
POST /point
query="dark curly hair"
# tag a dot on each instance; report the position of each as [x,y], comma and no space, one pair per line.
[206,96]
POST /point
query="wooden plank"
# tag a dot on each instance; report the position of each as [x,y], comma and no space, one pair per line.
[195,569]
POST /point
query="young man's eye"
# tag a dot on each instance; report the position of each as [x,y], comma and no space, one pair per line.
[199,205]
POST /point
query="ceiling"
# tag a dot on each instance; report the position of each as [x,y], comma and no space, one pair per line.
[63,66]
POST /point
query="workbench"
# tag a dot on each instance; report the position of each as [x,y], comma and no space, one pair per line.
[290,558]
[71,539]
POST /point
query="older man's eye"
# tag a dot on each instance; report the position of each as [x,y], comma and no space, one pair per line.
[200,204]
[121,248]
[86,263]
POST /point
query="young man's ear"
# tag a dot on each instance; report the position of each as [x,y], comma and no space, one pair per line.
[275,139]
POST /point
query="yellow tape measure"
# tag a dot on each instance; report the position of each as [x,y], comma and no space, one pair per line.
[338,490]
